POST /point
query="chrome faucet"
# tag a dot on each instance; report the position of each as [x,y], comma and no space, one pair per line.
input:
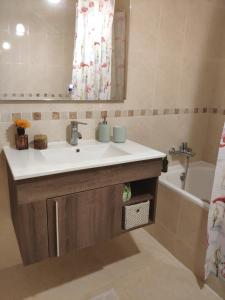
[183,149]
[188,153]
[75,134]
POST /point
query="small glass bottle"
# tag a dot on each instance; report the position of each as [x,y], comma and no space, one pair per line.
[21,139]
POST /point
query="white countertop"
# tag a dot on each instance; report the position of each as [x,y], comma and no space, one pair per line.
[60,157]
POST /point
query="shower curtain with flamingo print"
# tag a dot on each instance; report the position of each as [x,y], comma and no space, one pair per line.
[215,258]
[92,65]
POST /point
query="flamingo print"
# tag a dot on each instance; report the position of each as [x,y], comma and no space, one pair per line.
[83,65]
[93,49]
[84,9]
[223,270]
[222,144]
[215,259]
[220,199]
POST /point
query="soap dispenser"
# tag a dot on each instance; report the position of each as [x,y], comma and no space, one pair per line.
[104,131]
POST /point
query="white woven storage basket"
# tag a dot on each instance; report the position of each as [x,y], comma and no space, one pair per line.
[136,215]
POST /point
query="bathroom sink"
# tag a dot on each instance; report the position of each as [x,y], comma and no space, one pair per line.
[61,157]
[82,153]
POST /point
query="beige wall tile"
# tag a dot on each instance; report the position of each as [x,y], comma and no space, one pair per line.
[118,113]
[168,82]
[11,56]
[130,113]
[39,73]
[54,50]
[64,115]
[73,115]
[7,79]
[199,27]
[21,84]
[26,116]
[164,236]
[193,258]
[55,115]
[89,114]
[216,123]
[141,80]
[217,285]
[37,47]
[172,27]
[68,46]
[168,208]
[36,116]
[16,116]
[146,14]
[5,117]
[201,82]
[192,225]
[53,84]
[181,227]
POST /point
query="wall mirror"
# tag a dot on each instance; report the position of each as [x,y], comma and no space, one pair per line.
[63,50]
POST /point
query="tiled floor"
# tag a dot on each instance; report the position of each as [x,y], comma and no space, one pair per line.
[135,265]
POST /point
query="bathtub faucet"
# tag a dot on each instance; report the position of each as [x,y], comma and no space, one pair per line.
[183,149]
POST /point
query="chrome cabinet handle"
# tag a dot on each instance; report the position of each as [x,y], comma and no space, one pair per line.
[57,227]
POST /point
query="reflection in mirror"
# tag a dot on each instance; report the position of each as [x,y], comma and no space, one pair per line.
[63,49]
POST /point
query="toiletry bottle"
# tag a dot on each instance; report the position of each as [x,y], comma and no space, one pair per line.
[104,131]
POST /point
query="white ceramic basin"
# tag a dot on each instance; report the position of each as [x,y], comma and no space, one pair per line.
[60,157]
[87,152]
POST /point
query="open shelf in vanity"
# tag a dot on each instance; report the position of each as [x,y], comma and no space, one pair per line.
[143,194]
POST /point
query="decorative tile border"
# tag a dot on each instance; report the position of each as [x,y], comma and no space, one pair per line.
[45,97]
[73,115]
[35,96]
[215,110]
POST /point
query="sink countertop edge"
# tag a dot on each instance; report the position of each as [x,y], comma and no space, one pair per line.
[34,172]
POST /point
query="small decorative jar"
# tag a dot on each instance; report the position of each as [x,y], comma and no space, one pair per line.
[40,142]
[21,139]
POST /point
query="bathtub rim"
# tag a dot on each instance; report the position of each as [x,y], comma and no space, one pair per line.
[188,196]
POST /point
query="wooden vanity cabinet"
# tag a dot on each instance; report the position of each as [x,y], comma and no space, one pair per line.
[55,214]
[83,219]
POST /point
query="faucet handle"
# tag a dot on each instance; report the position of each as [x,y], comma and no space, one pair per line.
[82,123]
[184,146]
[172,151]
[76,123]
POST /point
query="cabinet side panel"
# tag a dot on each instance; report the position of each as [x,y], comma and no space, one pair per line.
[32,231]
[12,195]
[154,191]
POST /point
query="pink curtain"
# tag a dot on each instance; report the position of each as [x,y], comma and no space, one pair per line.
[92,65]
[215,259]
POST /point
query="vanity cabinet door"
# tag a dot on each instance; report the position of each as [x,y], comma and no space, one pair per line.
[83,219]
[30,221]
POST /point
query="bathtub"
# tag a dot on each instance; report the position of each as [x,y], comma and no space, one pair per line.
[182,217]
[198,185]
